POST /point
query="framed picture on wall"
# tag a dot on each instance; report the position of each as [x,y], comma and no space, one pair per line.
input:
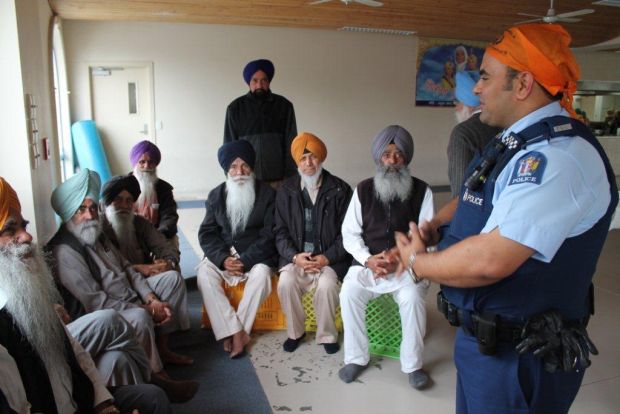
[438,62]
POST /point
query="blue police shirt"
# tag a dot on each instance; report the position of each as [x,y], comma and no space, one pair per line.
[550,191]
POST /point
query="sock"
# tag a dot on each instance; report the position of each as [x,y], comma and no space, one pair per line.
[350,372]
[331,348]
[291,345]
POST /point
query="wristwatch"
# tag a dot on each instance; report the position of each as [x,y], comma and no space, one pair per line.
[410,264]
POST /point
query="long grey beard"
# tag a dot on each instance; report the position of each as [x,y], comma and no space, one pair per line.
[311,181]
[239,201]
[31,292]
[124,228]
[392,184]
[87,232]
[147,180]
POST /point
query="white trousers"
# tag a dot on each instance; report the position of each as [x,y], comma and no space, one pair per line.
[409,297]
[292,285]
[224,320]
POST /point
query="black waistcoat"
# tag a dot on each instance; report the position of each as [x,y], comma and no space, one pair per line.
[380,221]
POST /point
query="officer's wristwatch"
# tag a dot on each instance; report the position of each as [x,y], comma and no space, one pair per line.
[410,264]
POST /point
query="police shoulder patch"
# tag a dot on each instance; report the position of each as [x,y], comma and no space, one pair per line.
[529,169]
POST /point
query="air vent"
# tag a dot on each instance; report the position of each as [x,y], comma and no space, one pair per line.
[374,30]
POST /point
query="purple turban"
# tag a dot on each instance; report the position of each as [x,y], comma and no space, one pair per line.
[464,93]
[256,65]
[394,134]
[144,147]
[232,150]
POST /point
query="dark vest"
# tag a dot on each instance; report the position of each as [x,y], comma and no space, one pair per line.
[34,375]
[535,287]
[379,222]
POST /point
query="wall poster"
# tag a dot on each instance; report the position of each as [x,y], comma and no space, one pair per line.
[438,62]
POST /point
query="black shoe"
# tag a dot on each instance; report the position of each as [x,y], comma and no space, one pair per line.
[331,348]
[291,345]
[418,379]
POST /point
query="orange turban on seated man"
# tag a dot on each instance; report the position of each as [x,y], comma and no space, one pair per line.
[542,50]
[8,202]
[307,142]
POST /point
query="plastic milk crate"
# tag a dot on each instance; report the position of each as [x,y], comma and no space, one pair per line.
[383,326]
[269,316]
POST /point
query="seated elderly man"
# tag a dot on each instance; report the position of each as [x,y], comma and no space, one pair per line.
[379,207]
[43,368]
[133,235]
[156,201]
[236,236]
[97,276]
[310,209]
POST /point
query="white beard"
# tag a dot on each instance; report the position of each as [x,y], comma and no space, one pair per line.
[463,114]
[147,180]
[123,225]
[239,201]
[28,283]
[392,185]
[311,181]
[87,232]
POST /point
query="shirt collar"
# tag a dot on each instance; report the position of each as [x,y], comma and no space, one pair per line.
[546,111]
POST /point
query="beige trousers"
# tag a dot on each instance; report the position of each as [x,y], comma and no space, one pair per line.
[224,320]
[293,283]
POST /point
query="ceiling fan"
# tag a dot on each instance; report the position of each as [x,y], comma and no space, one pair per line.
[551,17]
[371,3]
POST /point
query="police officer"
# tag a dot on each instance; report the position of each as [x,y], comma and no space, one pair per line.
[517,259]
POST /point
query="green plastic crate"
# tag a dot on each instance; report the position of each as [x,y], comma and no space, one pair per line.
[384,327]
[306,301]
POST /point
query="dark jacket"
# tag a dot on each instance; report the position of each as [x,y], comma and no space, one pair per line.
[167,217]
[330,207]
[255,244]
[269,125]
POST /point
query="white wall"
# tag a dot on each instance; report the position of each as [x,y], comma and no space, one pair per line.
[24,70]
[345,88]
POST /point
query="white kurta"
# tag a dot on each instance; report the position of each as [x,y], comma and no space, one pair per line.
[360,286]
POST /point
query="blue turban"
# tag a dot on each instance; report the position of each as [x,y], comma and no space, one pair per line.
[69,196]
[465,82]
[256,65]
[394,134]
[232,150]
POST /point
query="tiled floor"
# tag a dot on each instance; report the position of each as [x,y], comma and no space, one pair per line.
[307,381]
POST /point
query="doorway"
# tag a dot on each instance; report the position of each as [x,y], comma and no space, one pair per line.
[123,109]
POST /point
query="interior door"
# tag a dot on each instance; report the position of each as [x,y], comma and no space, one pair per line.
[122,107]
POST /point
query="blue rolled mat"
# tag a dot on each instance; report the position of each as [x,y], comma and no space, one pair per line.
[89,149]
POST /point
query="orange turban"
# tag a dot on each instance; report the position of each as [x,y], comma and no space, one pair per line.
[8,201]
[307,142]
[541,49]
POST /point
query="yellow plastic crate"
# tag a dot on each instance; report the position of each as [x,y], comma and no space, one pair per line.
[269,316]
[306,301]
[384,327]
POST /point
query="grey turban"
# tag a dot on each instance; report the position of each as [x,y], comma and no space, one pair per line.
[394,134]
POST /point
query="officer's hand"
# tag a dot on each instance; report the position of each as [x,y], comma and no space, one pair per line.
[429,232]
[408,245]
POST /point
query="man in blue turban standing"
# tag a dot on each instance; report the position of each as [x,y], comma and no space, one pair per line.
[265,120]
[380,206]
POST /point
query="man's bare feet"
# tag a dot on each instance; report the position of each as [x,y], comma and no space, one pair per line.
[239,341]
[227,344]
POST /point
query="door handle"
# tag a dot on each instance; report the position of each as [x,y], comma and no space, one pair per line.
[145,129]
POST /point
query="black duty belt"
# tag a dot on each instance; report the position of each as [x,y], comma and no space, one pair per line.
[488,328]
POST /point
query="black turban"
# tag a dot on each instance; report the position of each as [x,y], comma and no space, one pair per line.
[115,185]
[256,65]
[233,150]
